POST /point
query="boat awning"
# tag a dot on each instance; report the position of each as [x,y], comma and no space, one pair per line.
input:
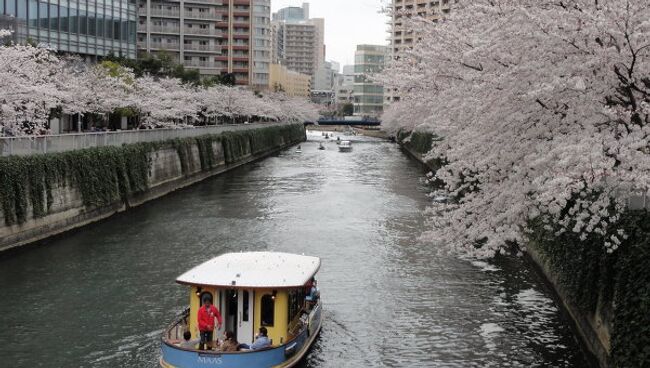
[253,270]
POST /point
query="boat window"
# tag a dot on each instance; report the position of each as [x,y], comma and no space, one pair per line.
[245,301]
[268,310]
[296,301]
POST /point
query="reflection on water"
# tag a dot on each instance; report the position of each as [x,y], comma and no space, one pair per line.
[100,297]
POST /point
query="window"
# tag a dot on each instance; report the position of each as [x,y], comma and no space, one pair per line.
[268,310]
[92,24]
[83,25]
[297,296]
[22,10]
[64,19]
[11,7]
[33,13]
[42,15]
[54,17]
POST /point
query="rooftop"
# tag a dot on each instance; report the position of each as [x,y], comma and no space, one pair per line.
[253,270]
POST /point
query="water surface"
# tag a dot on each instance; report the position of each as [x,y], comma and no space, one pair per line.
[100,297]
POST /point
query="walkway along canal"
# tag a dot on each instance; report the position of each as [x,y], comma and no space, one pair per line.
[101,296]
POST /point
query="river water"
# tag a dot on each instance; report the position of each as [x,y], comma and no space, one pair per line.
[100,297]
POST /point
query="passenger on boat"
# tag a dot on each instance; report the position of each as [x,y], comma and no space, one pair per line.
[261,341]
[188,342]
[206,316]
[311,289]
[230,344]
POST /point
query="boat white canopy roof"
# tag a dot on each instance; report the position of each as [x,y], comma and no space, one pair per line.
[253,270]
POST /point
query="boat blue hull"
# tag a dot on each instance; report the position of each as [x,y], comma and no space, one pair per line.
[283,356]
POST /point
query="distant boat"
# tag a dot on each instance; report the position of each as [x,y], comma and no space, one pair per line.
[321,147]
[298,150]
[345,146]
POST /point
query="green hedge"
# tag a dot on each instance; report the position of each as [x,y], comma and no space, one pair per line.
[108,175]
[618,283]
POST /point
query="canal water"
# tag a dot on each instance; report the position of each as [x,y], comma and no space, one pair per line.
[100,297]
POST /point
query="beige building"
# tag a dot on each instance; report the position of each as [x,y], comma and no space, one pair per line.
[400,35]
[213,36]
[288,81]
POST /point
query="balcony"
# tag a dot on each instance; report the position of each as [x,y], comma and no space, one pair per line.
[165,13]
[202,31]
[199,15]
[207,48]
[163,29]
[198,64]
[165,46]
[208,2]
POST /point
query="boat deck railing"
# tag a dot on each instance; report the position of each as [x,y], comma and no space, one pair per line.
[180,325]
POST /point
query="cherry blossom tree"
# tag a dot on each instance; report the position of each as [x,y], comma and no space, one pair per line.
[543,106]
[43,83]
[29,75]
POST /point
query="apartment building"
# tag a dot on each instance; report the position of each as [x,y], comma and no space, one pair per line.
[288,81]
[90,28]
[368,96]
[213,36]
[261,45]
[298,41]
[400,35]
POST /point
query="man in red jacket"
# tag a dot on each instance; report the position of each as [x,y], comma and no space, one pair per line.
[206,316]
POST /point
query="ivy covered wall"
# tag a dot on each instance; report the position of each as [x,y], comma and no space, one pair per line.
[616,286]
[108,175]
[419,143]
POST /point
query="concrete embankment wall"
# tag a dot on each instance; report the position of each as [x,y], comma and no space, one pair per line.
[48,194]
[607,296]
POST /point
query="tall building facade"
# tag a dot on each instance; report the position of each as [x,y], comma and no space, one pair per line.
[400,35]
[213,36]
[299,41]
[90,28]
[368,96]
[261,44]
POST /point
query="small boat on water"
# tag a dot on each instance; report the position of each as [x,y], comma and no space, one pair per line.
[345,146]
[298,150]
[254,291]
[321,147]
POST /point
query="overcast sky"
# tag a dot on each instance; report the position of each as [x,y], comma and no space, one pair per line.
[348,23]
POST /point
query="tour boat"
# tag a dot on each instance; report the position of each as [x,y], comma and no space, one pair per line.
[251,290]
[345,146]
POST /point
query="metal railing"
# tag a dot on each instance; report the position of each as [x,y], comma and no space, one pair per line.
[31,145]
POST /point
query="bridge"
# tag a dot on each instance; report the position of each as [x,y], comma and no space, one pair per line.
[365,121]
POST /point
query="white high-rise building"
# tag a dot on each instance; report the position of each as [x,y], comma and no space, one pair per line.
[299,41]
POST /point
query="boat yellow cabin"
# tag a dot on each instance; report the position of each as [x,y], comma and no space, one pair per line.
[276,291]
